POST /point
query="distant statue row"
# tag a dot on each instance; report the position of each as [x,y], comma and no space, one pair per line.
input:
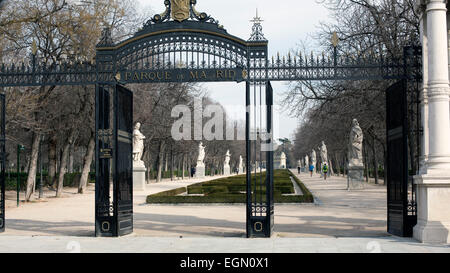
[200,168]
[354,151]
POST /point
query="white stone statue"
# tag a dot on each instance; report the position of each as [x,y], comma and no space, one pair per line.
[283,161]
[227,158]
[306,161]
[139,183]
[138,146]
[241,165]
[323,152]
[313,158]
[355,144]
[201,155]
[226,164]
[200,168]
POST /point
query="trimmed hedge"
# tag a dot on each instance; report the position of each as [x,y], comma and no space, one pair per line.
[232,190]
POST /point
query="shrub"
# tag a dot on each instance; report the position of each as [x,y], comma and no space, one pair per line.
[227,190]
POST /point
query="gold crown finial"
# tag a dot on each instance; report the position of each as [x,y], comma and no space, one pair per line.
[34,48]
[335,39]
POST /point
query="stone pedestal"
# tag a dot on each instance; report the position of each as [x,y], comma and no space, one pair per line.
[200,172]
[433,210]
[139,178]
[355,177]
[226,170]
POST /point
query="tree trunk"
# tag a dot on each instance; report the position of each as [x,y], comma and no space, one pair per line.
[87,165]
[32,167]
[375,163]
[384,165]
[171,165]
[338,165]
[189,168]
[63,164]
[160,161]
[166,167]
[366,163]
[71,155]
[184,166]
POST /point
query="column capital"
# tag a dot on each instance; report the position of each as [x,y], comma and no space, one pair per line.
[421,5]
[435,5]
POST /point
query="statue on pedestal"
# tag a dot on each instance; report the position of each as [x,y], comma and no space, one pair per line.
[355,145]
[200,168]
[355,177]
[201,155]
[139,183]
[226,164]
[138,146]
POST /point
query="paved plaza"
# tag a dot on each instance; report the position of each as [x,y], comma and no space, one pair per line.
[339,221]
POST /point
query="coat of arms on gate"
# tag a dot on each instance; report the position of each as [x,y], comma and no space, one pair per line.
[180,9]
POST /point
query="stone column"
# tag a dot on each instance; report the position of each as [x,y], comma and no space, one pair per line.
[424,95]
[433,187]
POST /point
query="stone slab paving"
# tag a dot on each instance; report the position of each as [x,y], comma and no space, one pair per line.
[338,214]
[131,244]
[339,221]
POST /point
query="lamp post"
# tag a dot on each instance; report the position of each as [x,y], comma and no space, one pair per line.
[19,148]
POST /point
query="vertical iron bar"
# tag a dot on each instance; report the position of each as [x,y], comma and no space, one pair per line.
[248,154]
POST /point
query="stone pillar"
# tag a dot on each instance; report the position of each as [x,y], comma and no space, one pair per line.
[433,186]
[424,95]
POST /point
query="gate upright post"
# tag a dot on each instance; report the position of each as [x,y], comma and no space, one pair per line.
[2,162]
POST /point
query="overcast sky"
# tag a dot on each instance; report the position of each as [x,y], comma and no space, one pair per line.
[286,24]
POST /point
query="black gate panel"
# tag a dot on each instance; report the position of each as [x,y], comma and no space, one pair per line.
[260,206]
[400,222]
[2,162]
[105,224]
[123,159]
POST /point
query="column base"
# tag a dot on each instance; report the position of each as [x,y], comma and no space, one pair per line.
[433,209]
[432,232]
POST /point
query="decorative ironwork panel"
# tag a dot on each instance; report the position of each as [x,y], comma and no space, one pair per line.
[123,167]
[105,223]
[2,162]
[400,190]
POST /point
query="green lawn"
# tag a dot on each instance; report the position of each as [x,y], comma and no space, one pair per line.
[232,190]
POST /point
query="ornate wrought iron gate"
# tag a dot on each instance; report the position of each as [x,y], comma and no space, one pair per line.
[193,47]
[400,189]
[2,162]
